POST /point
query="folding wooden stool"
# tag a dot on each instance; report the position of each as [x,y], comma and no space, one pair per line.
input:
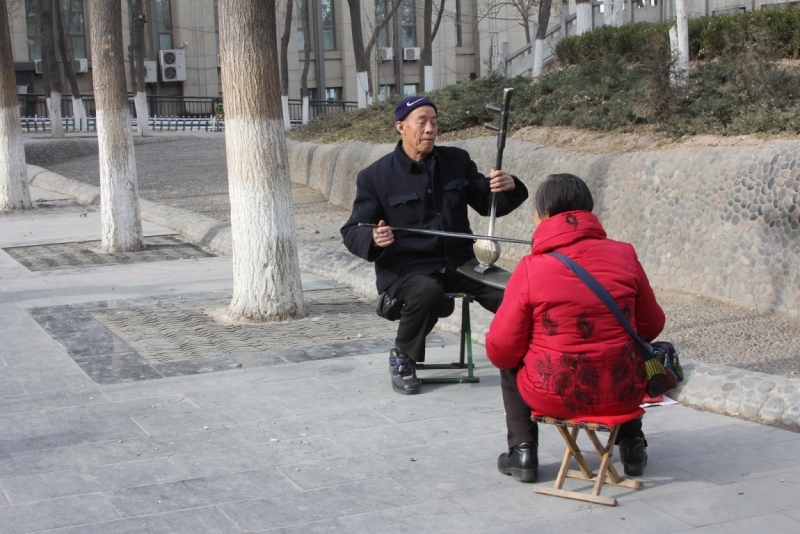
[466,350]
[606,473]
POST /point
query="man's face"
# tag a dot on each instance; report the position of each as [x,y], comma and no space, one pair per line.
[418,131]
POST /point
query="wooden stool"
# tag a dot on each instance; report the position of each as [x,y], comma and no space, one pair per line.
[466,350]
[606,474]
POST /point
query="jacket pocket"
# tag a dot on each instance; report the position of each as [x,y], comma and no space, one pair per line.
[455,191]
[406,208]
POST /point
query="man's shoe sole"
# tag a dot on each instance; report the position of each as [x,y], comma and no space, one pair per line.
[405,391]
[522,475]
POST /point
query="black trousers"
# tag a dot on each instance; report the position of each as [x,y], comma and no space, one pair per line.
[424,304]
[518,416]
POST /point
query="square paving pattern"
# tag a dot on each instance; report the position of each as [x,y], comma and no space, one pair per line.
[80,254]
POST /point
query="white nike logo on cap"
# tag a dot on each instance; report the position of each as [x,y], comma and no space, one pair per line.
[409,104]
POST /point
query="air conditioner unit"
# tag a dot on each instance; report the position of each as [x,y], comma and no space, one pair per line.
[80,65]
[150,72]
[38,66]
[219,61]
[385,54]
[411,54]
[173,65]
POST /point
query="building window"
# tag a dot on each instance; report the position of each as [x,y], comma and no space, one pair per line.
[328,25]
[333,93]
[408,23]
[410,89]
[301,37]
[312,93]
[32,19]
[385,92]
[380,16]
[164,16]
[457,18]
[74,27]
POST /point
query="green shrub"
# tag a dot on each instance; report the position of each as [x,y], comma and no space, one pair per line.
[629,40]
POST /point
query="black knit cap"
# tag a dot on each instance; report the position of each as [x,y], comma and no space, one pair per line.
[409,104]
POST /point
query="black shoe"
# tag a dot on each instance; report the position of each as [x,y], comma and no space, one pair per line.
[633,453]
[521,462]
[404,373]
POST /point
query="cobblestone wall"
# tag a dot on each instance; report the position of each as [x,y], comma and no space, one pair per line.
[720,222]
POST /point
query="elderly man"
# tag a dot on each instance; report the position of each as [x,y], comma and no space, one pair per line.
[420,185]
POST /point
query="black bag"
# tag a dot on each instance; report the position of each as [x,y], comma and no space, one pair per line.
[660,358]
[388,308]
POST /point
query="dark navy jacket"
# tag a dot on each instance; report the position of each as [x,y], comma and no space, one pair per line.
[433,195]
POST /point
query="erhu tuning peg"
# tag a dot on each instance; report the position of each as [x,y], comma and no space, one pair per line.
[492,107]
[491,126]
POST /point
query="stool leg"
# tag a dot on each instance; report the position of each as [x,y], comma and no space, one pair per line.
[466,340]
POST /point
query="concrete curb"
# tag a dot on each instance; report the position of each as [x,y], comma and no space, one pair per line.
[751,395]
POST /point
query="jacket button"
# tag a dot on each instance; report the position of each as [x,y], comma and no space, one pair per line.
[429,190]
[439,215]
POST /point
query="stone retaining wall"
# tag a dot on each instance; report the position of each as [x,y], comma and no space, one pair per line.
[720,222]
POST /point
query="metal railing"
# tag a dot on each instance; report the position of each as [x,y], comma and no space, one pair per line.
[33,107]
[158,124]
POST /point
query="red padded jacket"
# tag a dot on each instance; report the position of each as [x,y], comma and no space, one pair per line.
[574,357]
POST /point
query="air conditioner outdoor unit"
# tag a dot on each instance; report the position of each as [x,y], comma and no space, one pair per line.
[38,66]
[80,65]
[219,61]
[150,72]
[411,54]
[385,54]
[173,65]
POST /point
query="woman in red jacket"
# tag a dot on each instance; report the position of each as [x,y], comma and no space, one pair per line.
[559,349]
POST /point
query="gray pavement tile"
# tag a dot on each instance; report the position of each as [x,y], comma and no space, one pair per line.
[728,502]
[776,523]
[315,527]
[206,520]
[29,462]
[218,363]
[315,505]
[251,457]
[55,513]
[317,473]
[42,486]
[303,387]
[49,438]
[155,446]
[193,493]
[9,385]
[117,367]
[46,382]
[793,513]
[22,422]
[445,515]
[79,396]
[627,517]
[190,417]
[444,481]
[498,507]
[376,439]
[3,500]
[318,424]
[14,317]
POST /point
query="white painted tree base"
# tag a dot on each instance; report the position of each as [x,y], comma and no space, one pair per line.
[56,126]
[79,114]
[583,12]
[305,110]
[266,269]
[287,119]
[120,219]
[142,114]
[538,52]
[15,193]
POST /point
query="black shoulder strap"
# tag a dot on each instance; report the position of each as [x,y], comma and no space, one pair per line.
[606,298]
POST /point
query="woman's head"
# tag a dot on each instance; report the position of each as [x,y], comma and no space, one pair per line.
[560,193]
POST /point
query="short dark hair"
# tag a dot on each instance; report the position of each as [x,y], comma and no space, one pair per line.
[562,192]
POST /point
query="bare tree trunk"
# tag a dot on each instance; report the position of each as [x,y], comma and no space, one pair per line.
[362,60]
[137,44]
[51,63]
[287,33]
[14,191]
[612,12]
[541,33]
[306,57]
[682,27]
[121,223]
[68,57]
[583,13]
[426,59]
[266,269]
